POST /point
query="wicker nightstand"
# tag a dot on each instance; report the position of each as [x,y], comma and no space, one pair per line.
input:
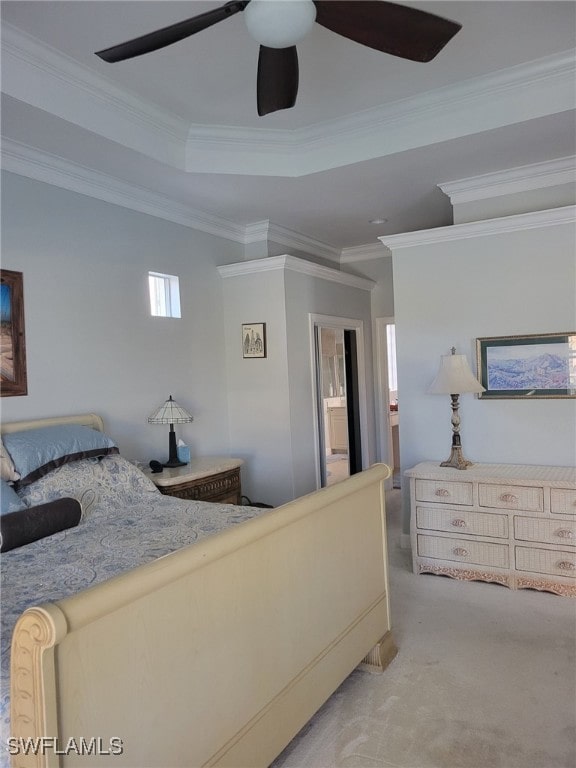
[208,478]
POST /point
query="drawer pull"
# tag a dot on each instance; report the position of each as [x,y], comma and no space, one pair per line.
[441,492]
[458,523]
[564,533]
[508,498]
[461,552]
[566,565]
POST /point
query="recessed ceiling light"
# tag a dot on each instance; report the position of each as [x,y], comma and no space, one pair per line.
[378,221]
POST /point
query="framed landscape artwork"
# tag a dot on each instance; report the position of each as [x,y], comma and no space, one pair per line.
[12,339]
[532,366]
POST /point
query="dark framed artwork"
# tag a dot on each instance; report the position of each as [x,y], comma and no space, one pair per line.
[532,366]
[254,340]
[12,340]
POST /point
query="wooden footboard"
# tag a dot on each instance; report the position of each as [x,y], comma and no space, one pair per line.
[215,655]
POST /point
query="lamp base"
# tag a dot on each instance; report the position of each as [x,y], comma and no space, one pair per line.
[456,460]
[173,460]
[174,463]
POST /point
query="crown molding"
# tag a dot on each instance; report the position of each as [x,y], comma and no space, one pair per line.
[267,231]
[45,78]
[367,252]
[541,87]
[515,223]
[524,178]
[293,263]
[26,161]
[257,232]
[42,166]
[292,239]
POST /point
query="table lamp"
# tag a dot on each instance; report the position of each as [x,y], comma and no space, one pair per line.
[455,378]
[171,413]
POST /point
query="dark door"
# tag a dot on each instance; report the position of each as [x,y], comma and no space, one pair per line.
[352,402]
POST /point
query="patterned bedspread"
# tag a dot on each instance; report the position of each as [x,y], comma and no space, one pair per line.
[125,522]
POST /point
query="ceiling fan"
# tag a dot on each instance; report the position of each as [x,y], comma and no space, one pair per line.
[279,24]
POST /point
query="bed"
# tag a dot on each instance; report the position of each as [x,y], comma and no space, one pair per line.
[161,632]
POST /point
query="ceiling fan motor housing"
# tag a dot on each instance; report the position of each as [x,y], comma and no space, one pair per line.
[279,23]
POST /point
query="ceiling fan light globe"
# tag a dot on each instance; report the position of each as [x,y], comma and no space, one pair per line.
[279,23]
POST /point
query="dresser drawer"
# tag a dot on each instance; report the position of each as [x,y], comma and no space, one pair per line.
[511,497]
[463,551]
[562,501]
[462,521]
[556,562]
[445,491]
[545,531]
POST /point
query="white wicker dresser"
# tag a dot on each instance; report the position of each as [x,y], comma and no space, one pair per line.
[507,523]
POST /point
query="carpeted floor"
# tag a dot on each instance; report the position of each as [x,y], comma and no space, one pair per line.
[337,468]
[485,677]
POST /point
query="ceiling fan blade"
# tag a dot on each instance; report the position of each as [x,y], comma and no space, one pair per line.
[277,79]
[172,34]
[388,27]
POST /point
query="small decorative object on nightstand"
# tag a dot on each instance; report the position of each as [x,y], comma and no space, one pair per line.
[454,378]
[208,478]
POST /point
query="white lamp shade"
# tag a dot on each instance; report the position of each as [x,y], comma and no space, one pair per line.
[279,23]
[454,377]
[170,413]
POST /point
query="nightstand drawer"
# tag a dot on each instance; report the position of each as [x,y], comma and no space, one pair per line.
[545,531]
[447,492]
[463,551]
[563,501]
[556,562]
[511,497]
[462,521]
[223,488]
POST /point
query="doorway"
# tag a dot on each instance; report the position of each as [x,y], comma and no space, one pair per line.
[339,397]
[334,410]
[388,396]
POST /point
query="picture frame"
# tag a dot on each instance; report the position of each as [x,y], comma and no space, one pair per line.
[254,340]
[13,377]
[533,366]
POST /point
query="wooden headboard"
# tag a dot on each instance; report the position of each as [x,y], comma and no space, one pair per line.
[85,419]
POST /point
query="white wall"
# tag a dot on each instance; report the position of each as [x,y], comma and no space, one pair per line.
[270,401]
[91,342]
[93,346]
[257,396]
[452,291]
[306,296]
[379,270]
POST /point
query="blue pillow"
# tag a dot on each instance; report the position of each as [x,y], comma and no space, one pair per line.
[37,451]
[9,499]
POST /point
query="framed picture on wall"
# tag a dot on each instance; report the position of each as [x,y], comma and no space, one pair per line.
[12,339]
[530,367]
[254,340]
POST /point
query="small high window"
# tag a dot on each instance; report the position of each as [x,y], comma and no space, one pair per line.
[164,295]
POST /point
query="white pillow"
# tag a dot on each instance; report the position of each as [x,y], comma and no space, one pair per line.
[7,471]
